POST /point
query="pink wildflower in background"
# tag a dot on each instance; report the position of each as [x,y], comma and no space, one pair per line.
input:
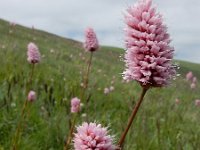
[193,85]
[148,56]
[33,54]
[31,96]
[75,105]
[194,80]
[91,42]
[197,102]
[82,84]
[112,88]
[99,71]
[92,136]
[177,101]
[106,90]
[189,76]
[84,115]
[3,46]
[13,24]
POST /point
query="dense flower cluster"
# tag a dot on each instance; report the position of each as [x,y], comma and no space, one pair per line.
[148,55]
[191,79]
[31,96]
[75,105]
[93,136]
[91,42]
[33,54]
[189,76]
[197,102]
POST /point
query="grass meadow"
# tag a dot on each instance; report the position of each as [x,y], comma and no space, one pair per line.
[161,123]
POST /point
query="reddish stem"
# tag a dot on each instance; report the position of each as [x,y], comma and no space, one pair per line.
[134,112]
[22,117]
[69,138]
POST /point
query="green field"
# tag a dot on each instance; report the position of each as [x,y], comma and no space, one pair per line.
[161,124]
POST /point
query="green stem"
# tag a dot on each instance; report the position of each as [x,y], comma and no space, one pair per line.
[69,137]
[85,86]
[86,76]
[22,117]
[31,75]
[17,133]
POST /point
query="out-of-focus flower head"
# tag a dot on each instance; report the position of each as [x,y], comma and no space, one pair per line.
[33,54]
[31,96]
[91,42]
[75,105]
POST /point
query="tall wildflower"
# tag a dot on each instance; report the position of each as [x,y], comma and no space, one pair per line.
[194,80]
[197,102]
[31,96]
[148,54]
[33,53]
[75,105]
[91,43]
[189,76]
[93,136]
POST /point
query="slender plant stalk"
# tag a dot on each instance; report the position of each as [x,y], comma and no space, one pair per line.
[134,112]
[85,86]
[86,81]
[30,85]
[88,71]
[17,133]
[22,117]
[86,76]
[69,137]
[31,75]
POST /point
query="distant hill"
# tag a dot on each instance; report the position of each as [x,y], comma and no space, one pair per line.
[160,123]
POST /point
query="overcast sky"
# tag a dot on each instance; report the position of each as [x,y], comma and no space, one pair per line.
[69,18]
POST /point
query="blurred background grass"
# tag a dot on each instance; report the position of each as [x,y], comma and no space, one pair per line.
[160,123]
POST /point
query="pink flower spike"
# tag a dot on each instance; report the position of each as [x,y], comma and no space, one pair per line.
[91,42]
[194,80]
[189,76]
[197,102]
[149,55]
[112,88]
[193,86]
[177,101]
[31,96]
[92,136]
[106,90]
[33,54]
[75,105]
[12,24]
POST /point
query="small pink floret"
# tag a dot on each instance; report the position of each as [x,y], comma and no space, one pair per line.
[106,90]
[189,76]
[194,80]
[91,42]
[177,101]
[75,105]
[193,85]
[197,102]
[33,54]
[31,96]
